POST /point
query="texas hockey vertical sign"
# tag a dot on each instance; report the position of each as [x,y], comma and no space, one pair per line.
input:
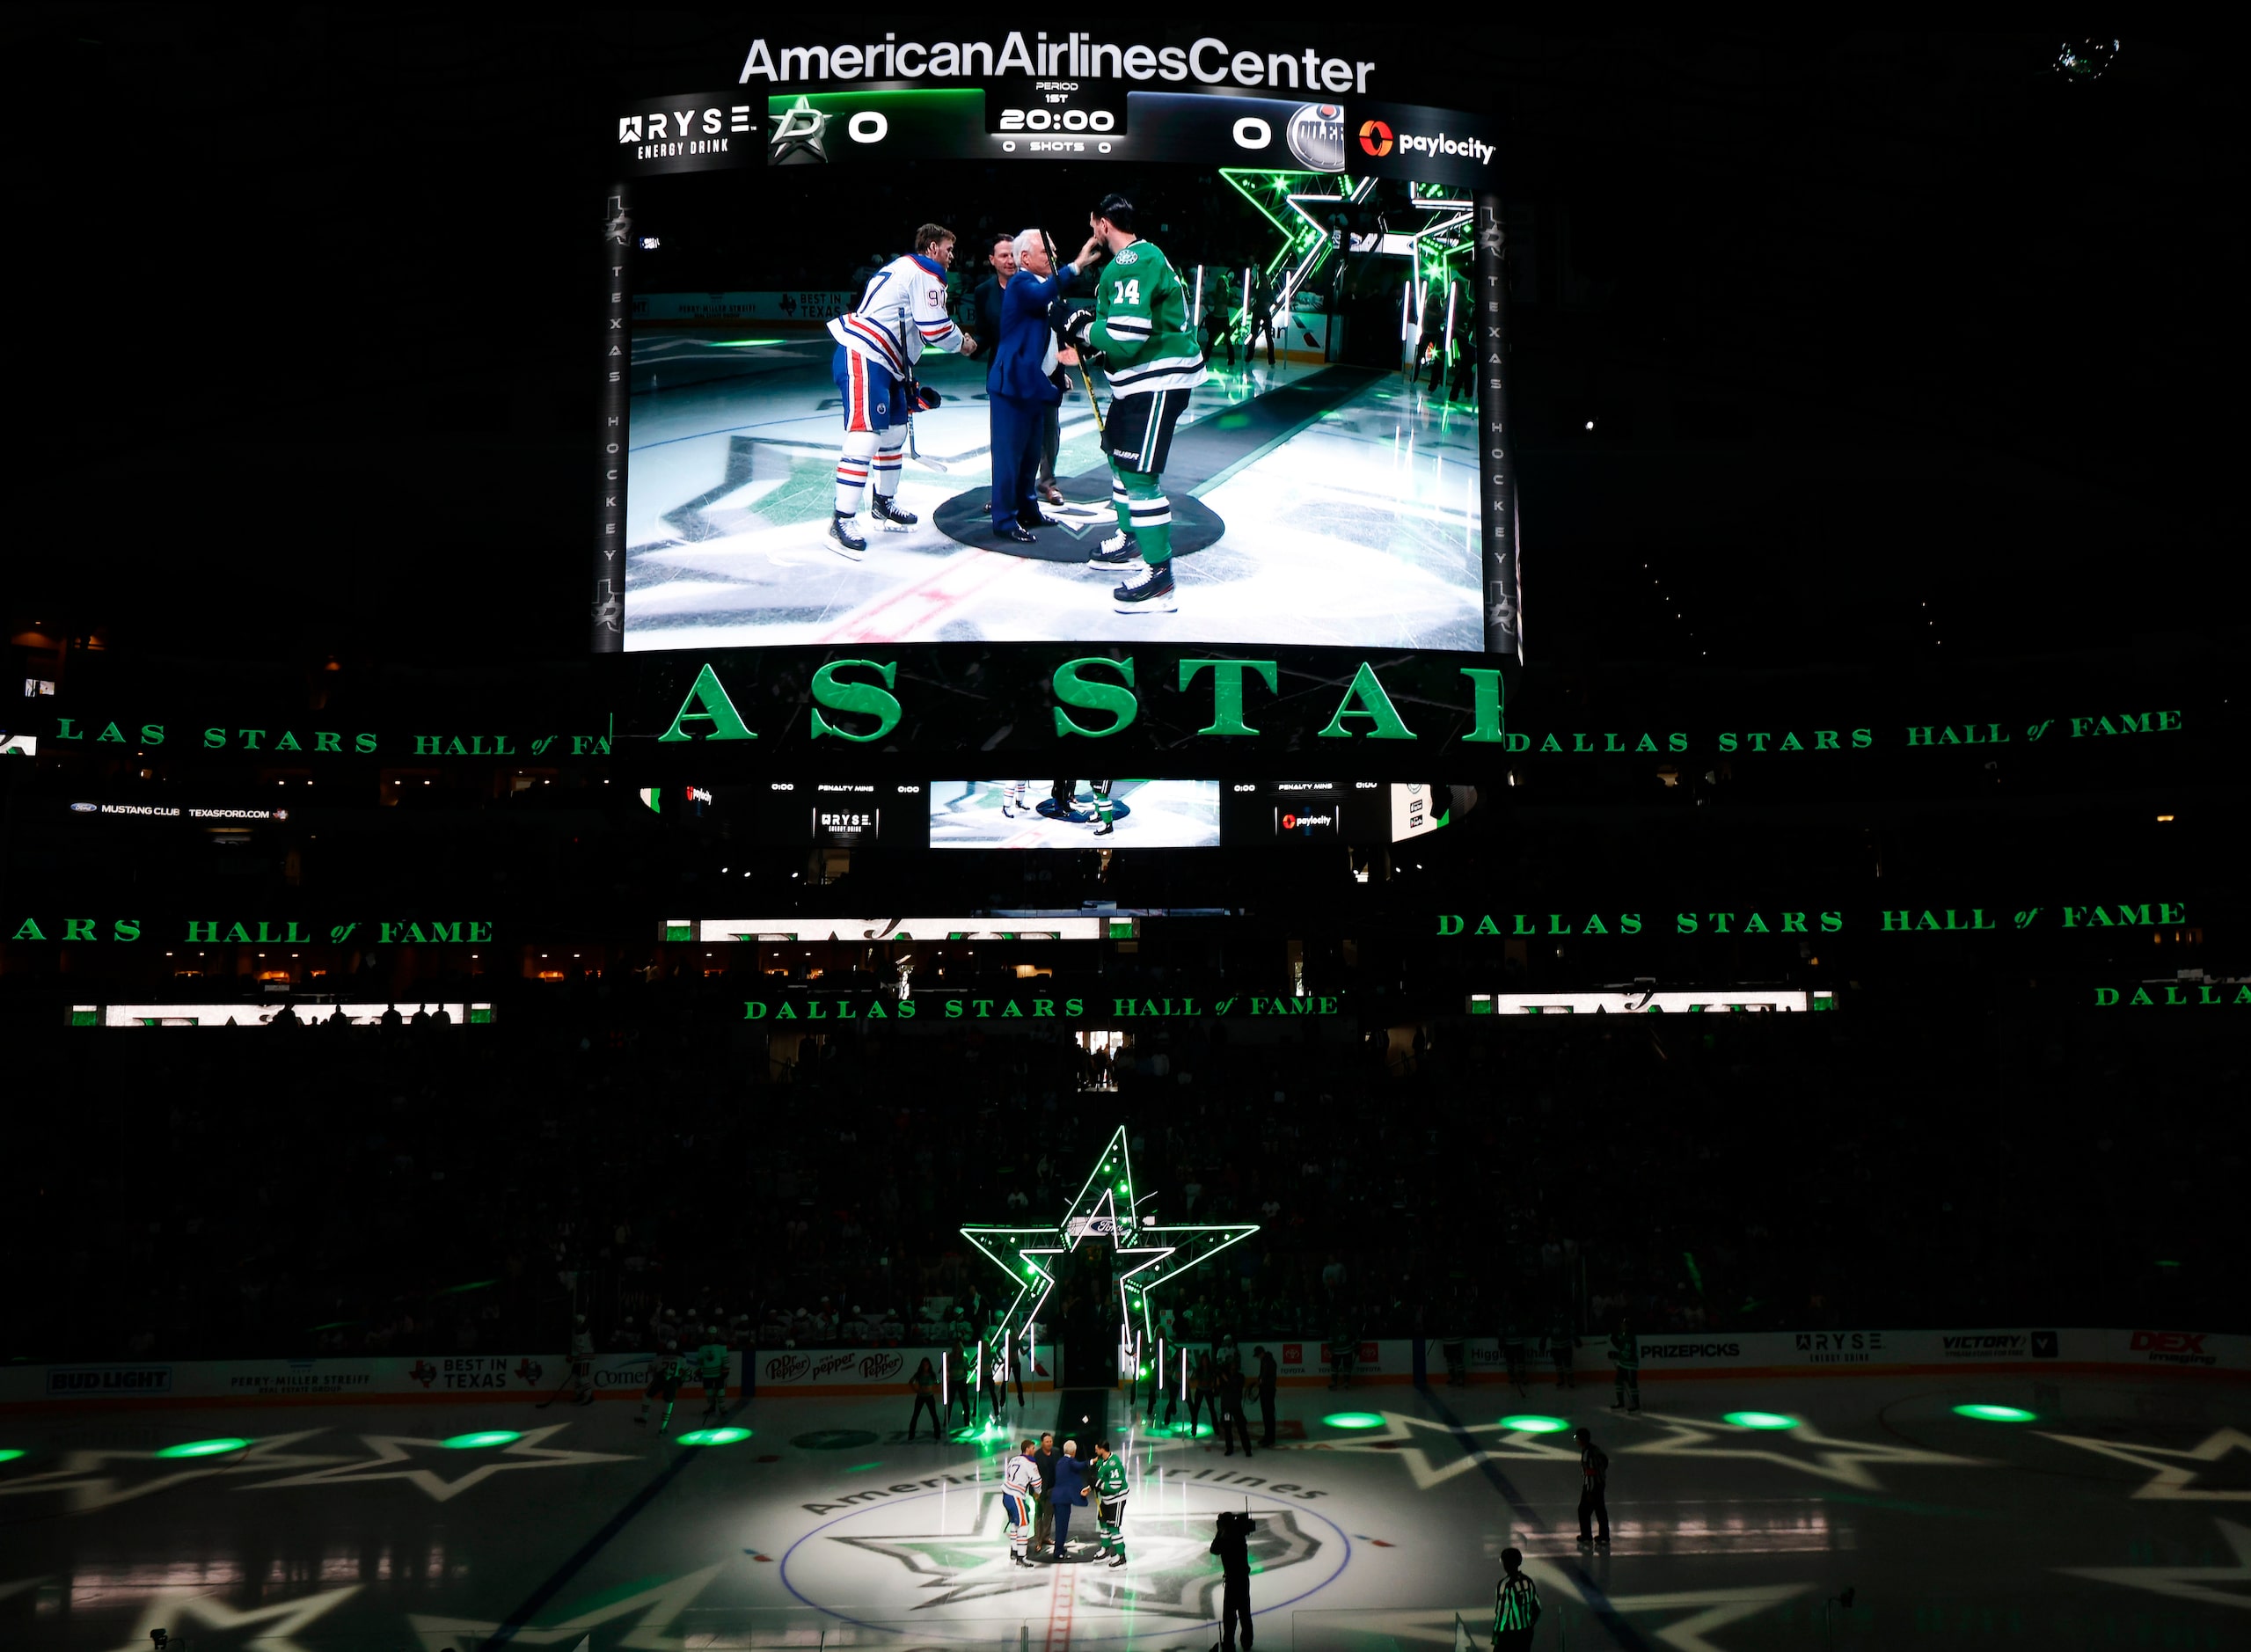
[608,612]
[1497,486]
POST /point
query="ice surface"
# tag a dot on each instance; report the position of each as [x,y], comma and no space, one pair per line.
[1361,530]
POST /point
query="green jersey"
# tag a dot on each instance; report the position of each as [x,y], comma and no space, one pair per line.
[1141,324]
[1109,1479]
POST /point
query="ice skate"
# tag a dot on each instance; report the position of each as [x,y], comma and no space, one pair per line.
[1151,594]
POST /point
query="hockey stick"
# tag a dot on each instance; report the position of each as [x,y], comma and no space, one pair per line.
[569,1377]
[914,396]
[1085,373]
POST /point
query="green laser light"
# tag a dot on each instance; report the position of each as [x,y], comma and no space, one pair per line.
[203,1448]
[1760,1420]
[715,1437]
[1531,1425]
[1996,1414]
[1353,1420]
[480,1440]
[10,1455]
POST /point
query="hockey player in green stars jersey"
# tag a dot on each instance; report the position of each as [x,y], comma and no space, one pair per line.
[1139,334]
[1110,1501]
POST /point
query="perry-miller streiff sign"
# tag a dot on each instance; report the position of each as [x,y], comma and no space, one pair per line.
[826,1008]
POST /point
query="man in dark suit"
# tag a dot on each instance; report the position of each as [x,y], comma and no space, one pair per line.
[984,299]
[1022,383]
[1234,1422]
[1269,1373]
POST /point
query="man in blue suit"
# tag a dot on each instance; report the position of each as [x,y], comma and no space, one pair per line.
[1024,384]
[1072,1472]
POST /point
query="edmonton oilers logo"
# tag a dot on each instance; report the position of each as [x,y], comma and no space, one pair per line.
[1316,136]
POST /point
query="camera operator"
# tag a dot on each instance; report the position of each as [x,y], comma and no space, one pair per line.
[1232,1543]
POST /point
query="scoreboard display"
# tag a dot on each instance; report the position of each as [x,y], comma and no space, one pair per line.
[1333,482]
[1037,120]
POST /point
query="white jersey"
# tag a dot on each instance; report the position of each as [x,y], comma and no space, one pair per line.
[1022,1478]
[902,314]
[582,1346]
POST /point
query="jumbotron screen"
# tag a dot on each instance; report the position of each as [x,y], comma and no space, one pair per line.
[1258,390]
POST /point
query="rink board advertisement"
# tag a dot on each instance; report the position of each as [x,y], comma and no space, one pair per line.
[396,1380]
[1708,1353]
[387,1379]
[1311,472]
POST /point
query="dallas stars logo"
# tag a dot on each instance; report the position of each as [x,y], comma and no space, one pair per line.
[2175,1475]
[1171,1573]
[1847,1462]
[421,1463]
[801,126]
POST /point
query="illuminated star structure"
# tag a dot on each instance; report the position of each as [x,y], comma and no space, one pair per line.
[1150,1253]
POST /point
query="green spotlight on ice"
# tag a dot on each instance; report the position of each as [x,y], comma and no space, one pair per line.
[10,1455]
[1996,1414]
[1353,1420]
[1531,1425]
[482,1438]
[1760,1420]
[203,1448]
[715,1437]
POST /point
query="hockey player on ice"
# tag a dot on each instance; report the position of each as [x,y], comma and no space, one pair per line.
[583,1360]
[710,1367]
[1063,804]
[902,314]
[664,1377]
[1138,333]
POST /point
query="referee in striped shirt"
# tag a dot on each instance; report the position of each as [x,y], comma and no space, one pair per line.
[1515,1606]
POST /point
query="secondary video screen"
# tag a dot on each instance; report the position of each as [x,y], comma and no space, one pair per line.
[818,413]
[1074,813]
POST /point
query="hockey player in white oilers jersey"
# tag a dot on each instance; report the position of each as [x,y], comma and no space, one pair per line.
[1019,1485]
[902,314]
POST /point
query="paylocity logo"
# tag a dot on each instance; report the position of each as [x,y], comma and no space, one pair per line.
[1378,139]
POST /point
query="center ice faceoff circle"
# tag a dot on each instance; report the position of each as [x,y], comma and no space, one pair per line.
[935,1562]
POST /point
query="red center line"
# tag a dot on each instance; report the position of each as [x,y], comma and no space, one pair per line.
[1062,1596]
[858,627]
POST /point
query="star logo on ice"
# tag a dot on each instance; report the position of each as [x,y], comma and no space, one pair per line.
[799,127]
[656,1608]
[394,1458]
[2174,1474]
[1705,1608]
[267,1628]
[2186,1582]
[1435,1452]
[1847,1462]
[97,1479]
